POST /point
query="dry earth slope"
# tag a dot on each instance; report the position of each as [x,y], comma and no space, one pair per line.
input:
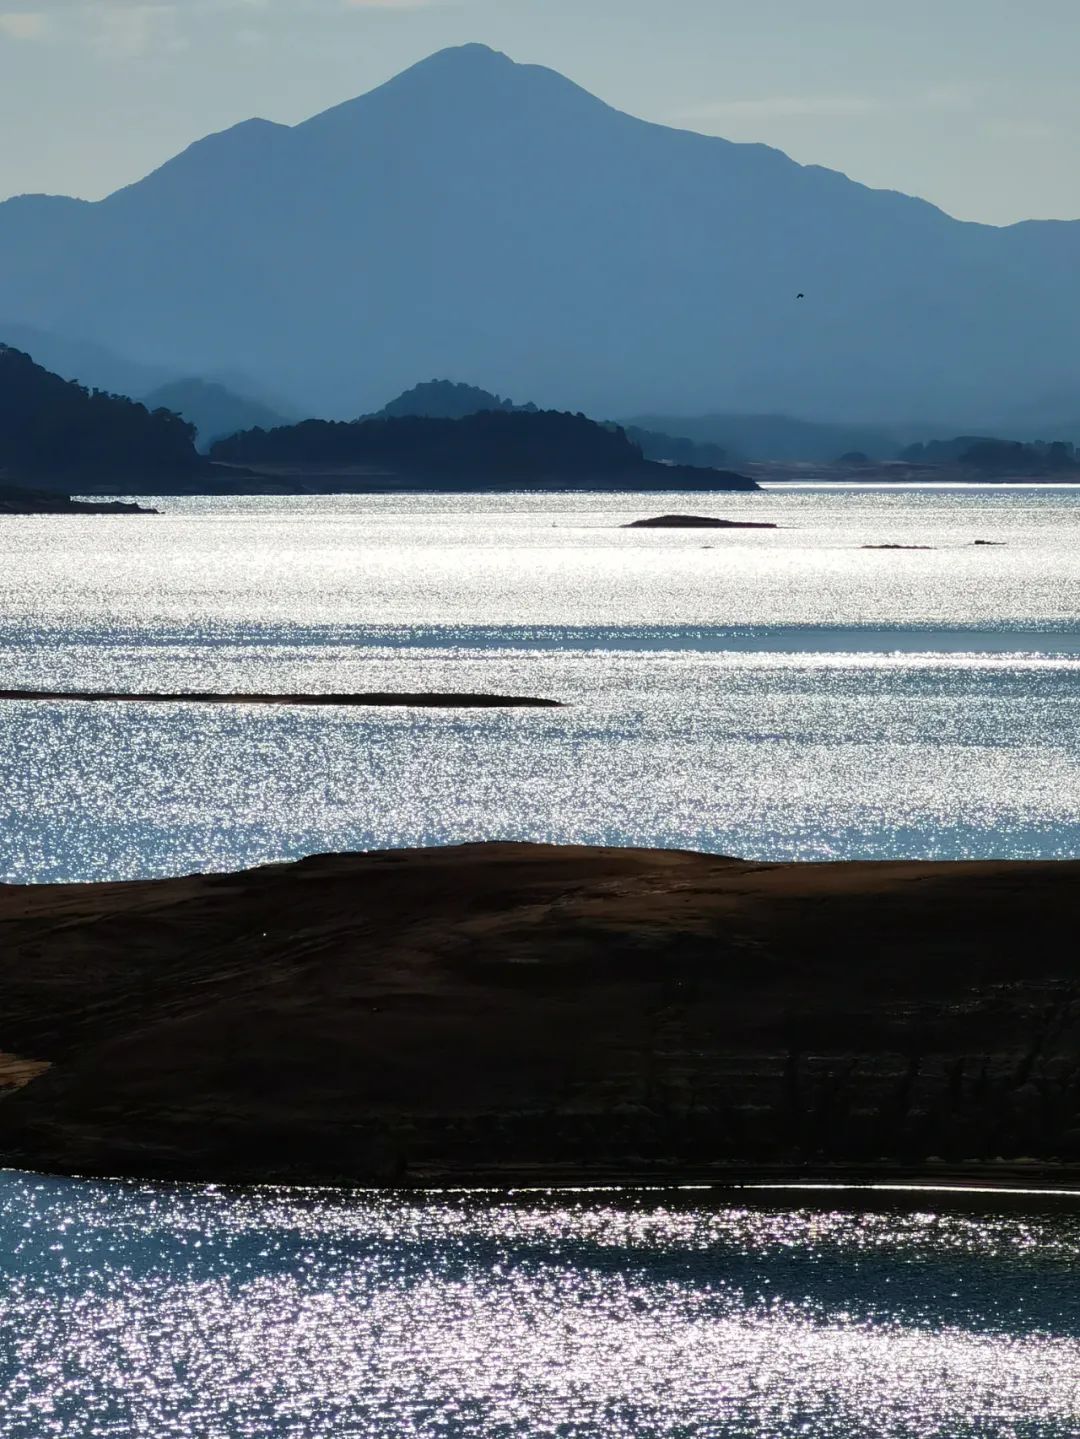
[513,1011]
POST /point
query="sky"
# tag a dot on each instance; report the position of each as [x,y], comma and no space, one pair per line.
[972,104]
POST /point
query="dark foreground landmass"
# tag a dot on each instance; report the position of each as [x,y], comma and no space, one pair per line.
[422,699]
[524,1013]
[16,501]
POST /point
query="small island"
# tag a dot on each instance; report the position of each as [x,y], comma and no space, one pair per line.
[696,522]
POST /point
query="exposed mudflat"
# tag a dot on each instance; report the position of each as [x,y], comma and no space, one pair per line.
[422,699]
[514,1011]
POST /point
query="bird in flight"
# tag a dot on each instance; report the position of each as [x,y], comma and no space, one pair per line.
[800,296]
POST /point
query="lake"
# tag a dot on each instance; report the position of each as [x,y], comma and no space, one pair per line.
[287,1314]
[774,694]
[777,694]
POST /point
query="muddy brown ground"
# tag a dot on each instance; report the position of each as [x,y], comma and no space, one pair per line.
[526,1012]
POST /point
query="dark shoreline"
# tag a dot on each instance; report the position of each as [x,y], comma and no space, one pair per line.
[420,700]
[300,484]
[1025,1187]
[20,500]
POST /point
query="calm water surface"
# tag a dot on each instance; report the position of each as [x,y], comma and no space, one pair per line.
[296,1315]
[772,694]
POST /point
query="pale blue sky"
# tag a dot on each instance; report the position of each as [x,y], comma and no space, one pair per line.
[974,104]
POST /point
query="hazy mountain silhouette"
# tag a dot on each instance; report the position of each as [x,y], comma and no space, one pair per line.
[679,450]
[82,360]
[214,410]
[481,217]
[776,437]
[992,455]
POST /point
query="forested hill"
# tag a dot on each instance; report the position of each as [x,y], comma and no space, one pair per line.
[213,409]
[54,428]
[487,442]
[489,445]
[445,400]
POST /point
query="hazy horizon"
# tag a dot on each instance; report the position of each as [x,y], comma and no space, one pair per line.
[973,111]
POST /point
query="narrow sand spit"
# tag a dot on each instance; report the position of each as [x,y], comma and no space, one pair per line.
[420,700]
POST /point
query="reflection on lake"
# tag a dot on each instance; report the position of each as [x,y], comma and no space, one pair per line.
[773,694]
[133,1310]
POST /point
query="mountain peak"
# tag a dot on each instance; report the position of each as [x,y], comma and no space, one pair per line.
[479,216]
[473,54]
[458,80]
[456,66]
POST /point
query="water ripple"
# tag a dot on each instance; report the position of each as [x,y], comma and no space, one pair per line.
[289,1315]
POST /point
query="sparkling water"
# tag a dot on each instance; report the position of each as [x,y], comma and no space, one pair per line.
[774,694]
[132,1310]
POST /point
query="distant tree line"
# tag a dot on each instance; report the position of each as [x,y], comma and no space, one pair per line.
[489,442]
[445,399]
[55,427]
[677,450]
[991,456]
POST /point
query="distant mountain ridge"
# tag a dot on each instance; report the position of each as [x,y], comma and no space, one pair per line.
[214,410]
[475,216]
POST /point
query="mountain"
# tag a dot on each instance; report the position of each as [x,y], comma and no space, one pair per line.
[214,410]
[54,429]
[478,216]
